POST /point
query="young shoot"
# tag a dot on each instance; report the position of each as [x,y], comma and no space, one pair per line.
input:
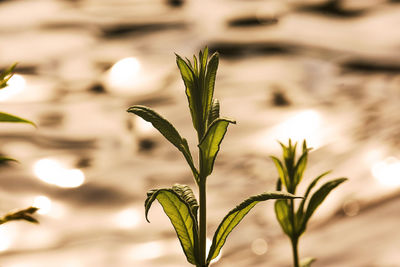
[187,215]
[294,223]
[25,214]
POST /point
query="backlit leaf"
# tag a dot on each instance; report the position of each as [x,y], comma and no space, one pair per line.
[180,214]
[5,117]
[208,92]
[210,144]
[233,218]
[282,213]
[319,196]
[281,171]
[167,130]
[214,112]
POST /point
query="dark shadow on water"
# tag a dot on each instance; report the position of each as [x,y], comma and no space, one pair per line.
[371,67]
[251,22]
[136,29]
[332,8]
[236,51]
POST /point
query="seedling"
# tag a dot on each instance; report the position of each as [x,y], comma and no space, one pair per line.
[293,223]
[179,202]
[25,214]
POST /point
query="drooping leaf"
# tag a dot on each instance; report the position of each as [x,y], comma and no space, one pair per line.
[6,76]
[180,214]
[210,144]
[25,214]
[233,218]
[307,262]
[282,213]
[208,93]
[5,117]
[186,193]
[167,130]
[318,197]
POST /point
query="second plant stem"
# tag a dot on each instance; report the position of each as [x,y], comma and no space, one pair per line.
[294,239]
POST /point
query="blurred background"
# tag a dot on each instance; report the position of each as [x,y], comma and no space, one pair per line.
[324,70]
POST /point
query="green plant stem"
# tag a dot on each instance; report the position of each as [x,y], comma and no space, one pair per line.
[295,252]
[203,222]
[294,238]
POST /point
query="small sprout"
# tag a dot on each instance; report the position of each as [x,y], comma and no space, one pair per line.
[188,216]
[294,223]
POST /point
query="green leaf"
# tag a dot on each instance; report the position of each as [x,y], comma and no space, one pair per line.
[189,79]
[210,144]
[186,193]
[300,210]
[233,218]
[6,76]
[6,159]
[214,112]
[318,197]
[282,213]
[25,214]
[208,92]
[180,214]
[300,167]
[167,130]
[281,171]
[5,117]
[307,262]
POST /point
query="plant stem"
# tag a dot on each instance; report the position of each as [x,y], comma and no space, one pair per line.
[203,221]
[294,238]
[295,252]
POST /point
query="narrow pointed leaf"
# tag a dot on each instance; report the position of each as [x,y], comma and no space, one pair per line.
[189,79]
[25,214]
[233,218]
[5,117]
[300,210]
[307,262]
[210,144]
[208,93]
[5,159]
[167,130]
[281,171]
[180,214]
[282,214]
[319,196]
[6,76]
[300,167]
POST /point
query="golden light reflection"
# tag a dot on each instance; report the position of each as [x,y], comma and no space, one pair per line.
[7,236]
[127,218]
[208,244]
[143,127]
[304,125]
[43,204]
[16,85]
[387,172]
[259,246]
[124,74]
[53,172]
[146,251]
